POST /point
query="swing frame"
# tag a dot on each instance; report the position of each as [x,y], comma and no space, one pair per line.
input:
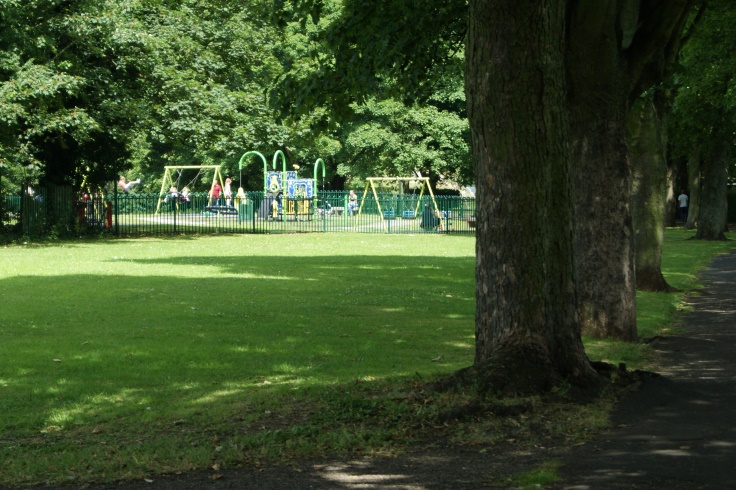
[167,179]
[371,184]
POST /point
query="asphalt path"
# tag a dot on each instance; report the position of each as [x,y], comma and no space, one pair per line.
[678,430]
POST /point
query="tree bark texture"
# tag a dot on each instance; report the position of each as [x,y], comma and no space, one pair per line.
[670,216]
[646,150]
[599,95]
[712,221]
[693,204]
[615,51]
[526,321]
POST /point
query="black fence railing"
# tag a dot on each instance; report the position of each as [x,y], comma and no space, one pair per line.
[253,212]
[36,212]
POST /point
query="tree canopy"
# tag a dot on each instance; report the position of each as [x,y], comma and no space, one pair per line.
[91,89]
[704,109]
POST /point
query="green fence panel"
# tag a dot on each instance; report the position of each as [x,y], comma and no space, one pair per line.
[256,212]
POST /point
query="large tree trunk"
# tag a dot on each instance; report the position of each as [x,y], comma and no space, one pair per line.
[519,61]
[648,195]
[527,331]
[713,205]
[603,234]
[616,50]
[670,215]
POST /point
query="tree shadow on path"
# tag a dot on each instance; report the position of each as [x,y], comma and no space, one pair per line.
[677,430]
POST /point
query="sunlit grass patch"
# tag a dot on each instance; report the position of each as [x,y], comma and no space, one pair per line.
[125,358]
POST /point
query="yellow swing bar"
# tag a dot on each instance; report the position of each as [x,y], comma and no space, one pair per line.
[371,183]
[167,179]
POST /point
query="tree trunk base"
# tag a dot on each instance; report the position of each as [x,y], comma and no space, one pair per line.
[653,281]
[523,372]
[716,237]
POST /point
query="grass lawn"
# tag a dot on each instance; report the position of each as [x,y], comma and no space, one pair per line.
[125,358]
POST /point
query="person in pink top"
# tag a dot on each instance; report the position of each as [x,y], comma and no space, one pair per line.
[215,193]
[126,186]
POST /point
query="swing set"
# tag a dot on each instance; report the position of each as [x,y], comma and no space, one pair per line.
[390,213]
[168,181]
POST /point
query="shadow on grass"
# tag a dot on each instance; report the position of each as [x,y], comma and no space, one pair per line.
[84,350]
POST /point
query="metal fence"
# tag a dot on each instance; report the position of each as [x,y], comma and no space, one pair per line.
[254,212]
[48,211]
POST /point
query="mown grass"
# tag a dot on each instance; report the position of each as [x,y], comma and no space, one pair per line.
[126,358]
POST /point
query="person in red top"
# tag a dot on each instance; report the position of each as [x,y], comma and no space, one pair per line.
[215,193]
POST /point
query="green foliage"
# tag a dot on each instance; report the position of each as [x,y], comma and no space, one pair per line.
[178,82]
[386,138]
[705,106]
[370,79]
[372,48]
[60,92]
[92,89]
[206,66]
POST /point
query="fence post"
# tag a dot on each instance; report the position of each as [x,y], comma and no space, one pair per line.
[175,206]
[324,209]
[117,213]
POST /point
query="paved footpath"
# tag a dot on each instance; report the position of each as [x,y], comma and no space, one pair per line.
[678,431]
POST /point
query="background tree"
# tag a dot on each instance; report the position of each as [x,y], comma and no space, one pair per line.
[614,54]
[206,65]
[64,103]
[646,153]
[388,138]
[90,88]
[705,118]
[647,144]
[391,94]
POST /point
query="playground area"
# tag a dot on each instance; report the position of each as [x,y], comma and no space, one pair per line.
[256,212]
[287,203]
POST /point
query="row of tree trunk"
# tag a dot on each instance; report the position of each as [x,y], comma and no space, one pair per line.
[568,212]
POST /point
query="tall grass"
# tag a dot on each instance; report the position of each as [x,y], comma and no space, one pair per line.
[124,358]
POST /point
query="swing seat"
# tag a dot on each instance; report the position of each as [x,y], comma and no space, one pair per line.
[230,210]
[408,215]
